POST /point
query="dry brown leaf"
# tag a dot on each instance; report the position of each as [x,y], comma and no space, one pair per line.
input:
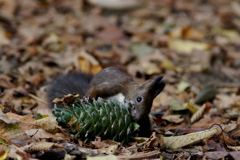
[225,101]
[198,114]
[23,119]
[49,124]
[41,146]
[156,140]
[13,132]
[39,134]
[109,150]
[192,33]
[7,8]
[176,142]
[111,34]
[173,118]
[206,122]
[16,153]
[5,81]
[4,40]
[87,63]
[216,155]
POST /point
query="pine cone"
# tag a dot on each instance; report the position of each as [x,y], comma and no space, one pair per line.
[106,119]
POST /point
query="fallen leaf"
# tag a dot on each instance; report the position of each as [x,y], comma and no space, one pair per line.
[141,49]
[206,94]
[173,118]
[150,68]
[198,114]
[168,65]
[216,155]
[87,63]
[186,46]
[41,146]
[176,105]
[8,8]
[116,4]
[176,142]
[182,86]
[49,124]
[192,34]
[4,40]
[23,119]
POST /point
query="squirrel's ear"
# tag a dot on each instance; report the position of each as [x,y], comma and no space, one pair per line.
[156,86]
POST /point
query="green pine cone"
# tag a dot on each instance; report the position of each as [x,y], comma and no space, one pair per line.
[106,119]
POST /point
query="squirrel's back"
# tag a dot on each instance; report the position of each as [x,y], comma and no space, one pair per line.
[71,83]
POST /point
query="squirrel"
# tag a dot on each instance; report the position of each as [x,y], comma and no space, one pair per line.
[110,83]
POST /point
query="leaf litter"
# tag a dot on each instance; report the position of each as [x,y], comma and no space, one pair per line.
[195,45]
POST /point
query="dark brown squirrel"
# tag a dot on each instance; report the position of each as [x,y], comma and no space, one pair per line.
[110,83]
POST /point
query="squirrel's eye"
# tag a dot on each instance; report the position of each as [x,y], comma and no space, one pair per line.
[139,99]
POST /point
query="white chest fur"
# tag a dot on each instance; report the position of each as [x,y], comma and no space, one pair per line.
[118,97]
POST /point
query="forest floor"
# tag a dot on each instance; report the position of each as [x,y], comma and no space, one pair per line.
[194,44]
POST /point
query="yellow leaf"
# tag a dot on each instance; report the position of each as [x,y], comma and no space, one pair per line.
[187,46]
[230,34]
[168,65]
[192,107]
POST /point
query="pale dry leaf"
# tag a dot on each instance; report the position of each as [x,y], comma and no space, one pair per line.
[44,112]
[176,142]
[173,118]
[5,119]
[140,155]
[161,99]
[198,114]
[38,134]
[186,46]
[19,118]
[225,101]
[236,7]
[49,124]
[15,152]
[176,105]
[150,68]
[41,146]
[168,65]
[134,69]
[235,148]
[108,157]
[4,40]
[116,4]
[7,8]
[69,157]
[109,150]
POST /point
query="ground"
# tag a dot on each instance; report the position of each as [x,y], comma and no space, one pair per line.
[194,44]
